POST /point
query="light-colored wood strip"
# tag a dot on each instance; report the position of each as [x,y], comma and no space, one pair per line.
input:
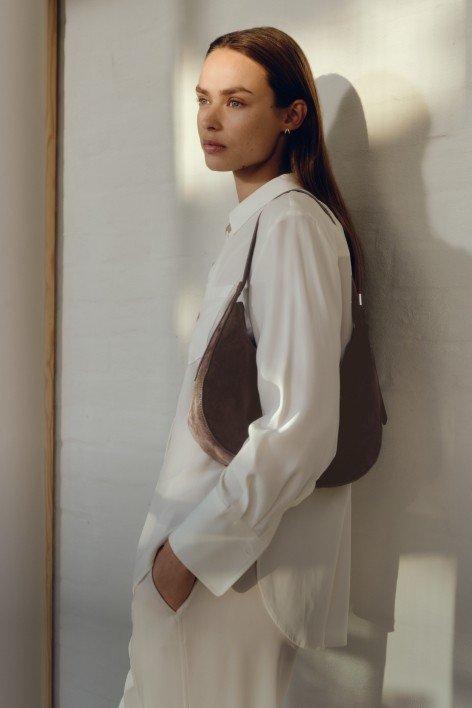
[50,343]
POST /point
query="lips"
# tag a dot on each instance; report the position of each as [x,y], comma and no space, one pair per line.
[211,147]
[213,143]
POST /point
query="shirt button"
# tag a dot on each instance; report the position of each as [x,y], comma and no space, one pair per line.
[228,230]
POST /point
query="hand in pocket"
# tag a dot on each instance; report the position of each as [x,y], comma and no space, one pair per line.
[172,579]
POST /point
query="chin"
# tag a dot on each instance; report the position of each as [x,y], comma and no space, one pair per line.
[218,168]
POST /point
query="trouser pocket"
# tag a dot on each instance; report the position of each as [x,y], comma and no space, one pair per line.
[160,599]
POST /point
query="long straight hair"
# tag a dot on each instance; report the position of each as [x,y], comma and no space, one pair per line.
[290,76]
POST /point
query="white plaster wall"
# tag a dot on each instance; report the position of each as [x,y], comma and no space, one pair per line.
[22,366]
[143,219]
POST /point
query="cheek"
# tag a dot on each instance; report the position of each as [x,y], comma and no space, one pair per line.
[254,136]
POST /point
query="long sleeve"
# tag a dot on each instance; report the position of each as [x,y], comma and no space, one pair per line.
[295,307]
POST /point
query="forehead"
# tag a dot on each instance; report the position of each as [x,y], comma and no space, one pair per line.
[224,68]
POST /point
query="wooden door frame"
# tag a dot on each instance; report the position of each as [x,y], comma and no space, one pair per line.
[51,208]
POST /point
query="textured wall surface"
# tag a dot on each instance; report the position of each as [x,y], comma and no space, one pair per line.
[142,220]
[22,365]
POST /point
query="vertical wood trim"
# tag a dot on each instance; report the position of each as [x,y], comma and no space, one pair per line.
[50,341]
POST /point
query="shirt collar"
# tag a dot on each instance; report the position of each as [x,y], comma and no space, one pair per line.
[257,199]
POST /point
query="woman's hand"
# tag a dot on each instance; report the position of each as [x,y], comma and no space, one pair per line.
[172,579]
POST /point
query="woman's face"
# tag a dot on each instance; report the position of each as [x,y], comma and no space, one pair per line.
[246,122]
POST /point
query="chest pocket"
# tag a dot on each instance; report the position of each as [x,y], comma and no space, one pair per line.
[214,301]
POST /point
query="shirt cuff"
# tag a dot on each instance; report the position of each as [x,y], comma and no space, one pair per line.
[215,544]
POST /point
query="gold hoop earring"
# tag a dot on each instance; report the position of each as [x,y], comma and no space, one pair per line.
[287,130]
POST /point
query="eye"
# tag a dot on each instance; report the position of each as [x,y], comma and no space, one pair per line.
[232,100]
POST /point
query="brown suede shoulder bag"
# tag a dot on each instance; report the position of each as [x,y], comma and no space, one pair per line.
[226,399]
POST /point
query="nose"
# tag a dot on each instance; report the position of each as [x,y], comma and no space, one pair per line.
[211,118]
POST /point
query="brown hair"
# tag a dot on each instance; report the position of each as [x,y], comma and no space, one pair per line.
[290,76]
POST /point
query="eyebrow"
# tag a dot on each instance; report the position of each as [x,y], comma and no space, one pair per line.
[225,92]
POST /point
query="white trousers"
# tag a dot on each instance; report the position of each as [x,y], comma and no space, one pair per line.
[213,651]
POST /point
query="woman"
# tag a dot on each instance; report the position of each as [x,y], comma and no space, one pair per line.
[238,566]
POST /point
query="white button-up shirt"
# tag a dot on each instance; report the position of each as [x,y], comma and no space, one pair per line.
[264,506]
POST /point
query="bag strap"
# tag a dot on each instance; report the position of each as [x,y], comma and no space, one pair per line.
[242,283]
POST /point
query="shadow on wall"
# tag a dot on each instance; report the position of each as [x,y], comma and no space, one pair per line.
[409,513]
